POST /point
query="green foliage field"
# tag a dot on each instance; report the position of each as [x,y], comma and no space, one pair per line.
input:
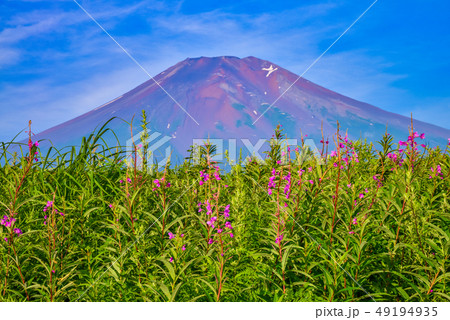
[339,227]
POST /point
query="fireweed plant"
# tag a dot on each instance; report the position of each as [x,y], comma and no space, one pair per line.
[93,224]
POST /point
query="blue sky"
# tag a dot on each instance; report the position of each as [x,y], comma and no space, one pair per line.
[55,63]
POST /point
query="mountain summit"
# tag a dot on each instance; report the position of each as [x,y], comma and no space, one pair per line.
[223,96]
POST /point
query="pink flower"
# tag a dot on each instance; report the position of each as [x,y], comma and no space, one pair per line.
[355,221]
[171,235]
[110,206]
[226,212]
[182,235]
[279,239]
[333,154]
[349,185]
[53,271]
[231,235]
[36,144]
[183,247]
[361,195]
[219,230]
[210,241]
[171,259]
[311,181]
[341,145]
[208,208]
[351,232]
[422,136]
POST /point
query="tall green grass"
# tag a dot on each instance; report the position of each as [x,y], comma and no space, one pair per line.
[335,228]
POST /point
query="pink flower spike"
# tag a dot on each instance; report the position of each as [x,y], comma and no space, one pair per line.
[171,235]
[36,144]
[210,241]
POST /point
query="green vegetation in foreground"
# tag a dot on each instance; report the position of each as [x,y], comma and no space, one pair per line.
[361,223]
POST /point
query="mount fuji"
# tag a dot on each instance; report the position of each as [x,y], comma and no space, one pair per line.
[222,97]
